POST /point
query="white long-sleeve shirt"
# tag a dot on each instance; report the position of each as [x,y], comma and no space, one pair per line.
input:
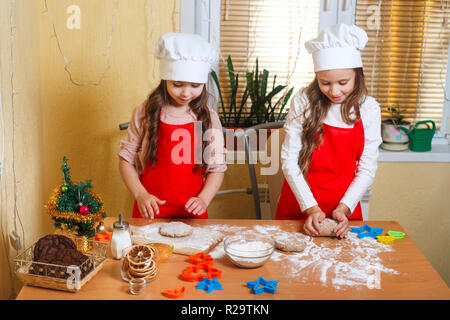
[367,166]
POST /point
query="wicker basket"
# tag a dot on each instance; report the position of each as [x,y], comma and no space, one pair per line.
[96,251]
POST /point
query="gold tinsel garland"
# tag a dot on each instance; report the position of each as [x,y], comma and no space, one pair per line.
[50,209]
[80,240]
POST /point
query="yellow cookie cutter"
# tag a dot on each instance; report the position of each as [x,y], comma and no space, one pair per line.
[385,239]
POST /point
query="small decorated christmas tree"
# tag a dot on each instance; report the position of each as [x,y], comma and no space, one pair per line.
[74,207]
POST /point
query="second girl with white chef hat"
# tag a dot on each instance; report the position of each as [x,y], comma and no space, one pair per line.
[329,155]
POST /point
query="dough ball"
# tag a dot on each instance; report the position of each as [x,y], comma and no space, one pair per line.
[175,229]
[326,228]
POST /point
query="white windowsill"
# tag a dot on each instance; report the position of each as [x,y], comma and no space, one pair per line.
[440,152]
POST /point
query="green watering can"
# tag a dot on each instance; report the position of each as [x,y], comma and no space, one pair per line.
[420,139]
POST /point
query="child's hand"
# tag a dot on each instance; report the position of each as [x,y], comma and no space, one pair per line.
[315,216]
[196,205]
[340,215]
[148,205]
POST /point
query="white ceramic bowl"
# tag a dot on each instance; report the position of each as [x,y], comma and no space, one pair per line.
[249,250]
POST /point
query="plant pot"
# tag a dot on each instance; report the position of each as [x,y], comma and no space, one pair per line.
[394,139]
[257,139]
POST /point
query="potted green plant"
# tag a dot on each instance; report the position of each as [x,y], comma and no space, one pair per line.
[394,139]
[262,108]
[243,112]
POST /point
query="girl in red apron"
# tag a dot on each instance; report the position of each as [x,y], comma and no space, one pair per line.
[329,155]
[173,158]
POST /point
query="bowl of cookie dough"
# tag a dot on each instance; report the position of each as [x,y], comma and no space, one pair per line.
[248,250]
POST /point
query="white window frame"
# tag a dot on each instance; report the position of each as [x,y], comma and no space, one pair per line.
[203,17]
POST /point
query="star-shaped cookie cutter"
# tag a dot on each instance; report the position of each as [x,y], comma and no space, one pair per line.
[263,285]
[367,231]
[191,272]
[209,285]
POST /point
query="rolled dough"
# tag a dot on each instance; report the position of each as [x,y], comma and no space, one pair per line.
[289,243]
[175,229]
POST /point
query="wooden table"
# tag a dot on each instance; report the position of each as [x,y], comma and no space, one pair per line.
[417,279]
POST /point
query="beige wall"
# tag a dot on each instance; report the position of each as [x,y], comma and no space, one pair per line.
[111,63]
[417,196]
[81,119]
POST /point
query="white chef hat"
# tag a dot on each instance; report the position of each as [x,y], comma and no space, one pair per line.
[185,57]
[337,47]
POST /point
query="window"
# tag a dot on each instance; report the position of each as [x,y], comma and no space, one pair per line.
[405,60]
[272,31]
[406,57]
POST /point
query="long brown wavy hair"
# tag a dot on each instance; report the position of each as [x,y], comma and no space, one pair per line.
[315,113]
[156,100]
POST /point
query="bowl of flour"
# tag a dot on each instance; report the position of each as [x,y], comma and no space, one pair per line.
[248,250]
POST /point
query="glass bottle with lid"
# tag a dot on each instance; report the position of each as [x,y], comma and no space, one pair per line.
[121,237]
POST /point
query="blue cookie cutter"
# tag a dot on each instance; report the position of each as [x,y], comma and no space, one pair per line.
[209,285]
[263,285]
[367,231]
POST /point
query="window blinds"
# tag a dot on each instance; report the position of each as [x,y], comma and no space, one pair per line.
[274,31]
[405,60]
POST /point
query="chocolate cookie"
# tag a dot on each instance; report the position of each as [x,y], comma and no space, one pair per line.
[52,243]
[62,258]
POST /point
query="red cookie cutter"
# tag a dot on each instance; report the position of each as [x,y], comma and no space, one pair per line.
[201,258]
[103,237]
[191,273]
[175,293]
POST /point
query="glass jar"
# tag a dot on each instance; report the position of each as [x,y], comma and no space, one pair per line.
[137,285]
[139,261]
[121,237]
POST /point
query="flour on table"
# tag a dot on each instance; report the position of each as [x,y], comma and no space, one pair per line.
[342,263]
[201,239]
[349,262]
[218,251]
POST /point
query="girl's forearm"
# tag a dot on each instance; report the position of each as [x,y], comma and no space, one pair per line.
[131,178]
[212,184]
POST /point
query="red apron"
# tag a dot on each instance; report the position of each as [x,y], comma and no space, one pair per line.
[331,171]
[171,180]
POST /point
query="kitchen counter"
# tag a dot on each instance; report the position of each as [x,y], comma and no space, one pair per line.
[326,271]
